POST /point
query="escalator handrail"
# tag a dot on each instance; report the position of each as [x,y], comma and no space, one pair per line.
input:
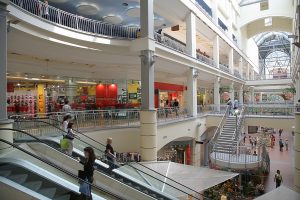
[41,141]
[128,163]
[53,165]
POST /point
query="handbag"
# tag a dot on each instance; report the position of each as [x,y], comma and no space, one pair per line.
[64,143]
[85,188]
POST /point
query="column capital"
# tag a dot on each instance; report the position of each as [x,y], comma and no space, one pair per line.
[3,11]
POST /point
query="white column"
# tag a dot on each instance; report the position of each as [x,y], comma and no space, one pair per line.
[297,152]
[248,72]
[230,60]
[253,75]
[241,95]
[191,41]
[252,97]
[70,90]
[217,101]
[6,135]
[214,8]
[216,51]
[192,92]
[148,127]
[232,91]
[298,86]
[241,65]
[295,83]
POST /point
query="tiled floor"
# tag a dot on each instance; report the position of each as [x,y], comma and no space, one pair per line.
[282,161]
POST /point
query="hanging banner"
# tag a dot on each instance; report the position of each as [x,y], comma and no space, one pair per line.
[41,108]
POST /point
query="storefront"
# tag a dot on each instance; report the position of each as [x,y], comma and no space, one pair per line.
[166,94]
[176,151]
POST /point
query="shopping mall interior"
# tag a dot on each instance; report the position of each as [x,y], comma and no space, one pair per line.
[150,99]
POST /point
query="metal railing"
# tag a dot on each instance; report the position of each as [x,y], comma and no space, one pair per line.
[273,76]
[166,41]
[237,74]
[275,110]
[224,68]
[171,114]
[211,109]
[218,131]
[63,18]
[206,60]
[240,116]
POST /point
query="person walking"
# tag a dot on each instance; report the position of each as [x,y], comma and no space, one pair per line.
[176,106]
[280,144]
[229,104]
[280,132]
[110,155]
[286,143]
[66,108]
[87,174]
[278,178]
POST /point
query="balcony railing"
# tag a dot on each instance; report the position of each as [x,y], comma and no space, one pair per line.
[57,16]
[206,60]
[224,68]
[237,74]
[273,76]
[166,41]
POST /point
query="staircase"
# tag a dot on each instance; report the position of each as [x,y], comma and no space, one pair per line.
[224,141]
[36,183]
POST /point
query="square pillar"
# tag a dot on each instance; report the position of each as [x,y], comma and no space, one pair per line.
[297,152]
[252,97]
[191,41]
[232,91]
[217,98]
[248,72]
[241,65]
[241,95]
[192,92]
[147,19]
[216,51]
[230,60]
[253,75]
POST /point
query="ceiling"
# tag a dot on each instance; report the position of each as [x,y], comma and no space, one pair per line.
[125,12]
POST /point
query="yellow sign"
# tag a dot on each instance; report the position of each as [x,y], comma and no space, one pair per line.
[41,107]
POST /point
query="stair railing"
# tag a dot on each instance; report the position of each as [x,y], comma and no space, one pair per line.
[234,148]
[212,142]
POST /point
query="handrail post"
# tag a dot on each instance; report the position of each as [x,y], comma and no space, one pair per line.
[59,16]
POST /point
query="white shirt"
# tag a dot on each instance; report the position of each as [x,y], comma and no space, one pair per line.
[66,108]
[65,126]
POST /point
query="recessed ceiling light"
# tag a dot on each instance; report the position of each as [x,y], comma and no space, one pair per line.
[113,19]
[133,12]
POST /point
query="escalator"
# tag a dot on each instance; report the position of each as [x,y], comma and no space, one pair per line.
[25,175]
[133,174]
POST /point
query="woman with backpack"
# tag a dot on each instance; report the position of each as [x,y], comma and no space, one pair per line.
[68,138]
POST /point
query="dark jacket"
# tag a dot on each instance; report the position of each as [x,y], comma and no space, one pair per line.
[88,169]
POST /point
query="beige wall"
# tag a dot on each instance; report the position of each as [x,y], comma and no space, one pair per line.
[285,124]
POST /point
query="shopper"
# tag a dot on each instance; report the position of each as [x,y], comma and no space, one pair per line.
[46,9]
[69,137]
[278,178]
[176,106]
[280,145]
[236,104]
[66,108]
[280,132]
[110,155]
[229,104]
[87,174]
[66,121]
[298,106]
[255,154]
[286,143]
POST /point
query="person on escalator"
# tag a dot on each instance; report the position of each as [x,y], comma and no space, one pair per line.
[110,155]
[66,121]
[87,174]
[69,137]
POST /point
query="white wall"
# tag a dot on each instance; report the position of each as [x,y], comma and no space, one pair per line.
[252,52]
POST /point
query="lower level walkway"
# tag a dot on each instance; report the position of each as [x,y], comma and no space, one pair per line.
[282,161]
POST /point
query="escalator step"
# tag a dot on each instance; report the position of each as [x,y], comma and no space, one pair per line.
[5,173]
[63,197]
[48,192]
[19,178]
[34,185]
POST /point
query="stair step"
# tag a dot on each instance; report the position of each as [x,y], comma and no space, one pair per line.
[34,185]
[63,197]
[48,192]
[19,178]
[5,173]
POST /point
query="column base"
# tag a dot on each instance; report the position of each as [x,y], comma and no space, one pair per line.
[148,135]
[6,135]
